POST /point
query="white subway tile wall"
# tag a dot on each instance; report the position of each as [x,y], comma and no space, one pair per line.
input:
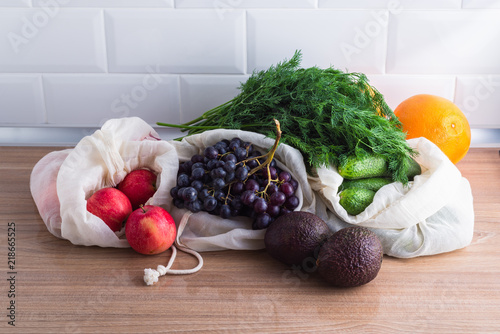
[66,66]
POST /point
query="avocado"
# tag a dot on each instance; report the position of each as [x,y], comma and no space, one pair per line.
[350,257]
[295,236]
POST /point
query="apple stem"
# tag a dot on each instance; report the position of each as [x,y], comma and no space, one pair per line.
[142,207]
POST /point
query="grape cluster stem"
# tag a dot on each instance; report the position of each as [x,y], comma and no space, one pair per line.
[269,157]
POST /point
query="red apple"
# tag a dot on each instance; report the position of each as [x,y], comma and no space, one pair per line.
[150,230]
[111,205]
[139,185]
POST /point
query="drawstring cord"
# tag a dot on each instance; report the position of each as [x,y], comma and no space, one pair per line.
[151,275]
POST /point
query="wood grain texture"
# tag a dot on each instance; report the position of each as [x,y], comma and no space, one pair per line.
[73,289]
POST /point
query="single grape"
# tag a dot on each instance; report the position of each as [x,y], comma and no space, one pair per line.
[183,180]
[229,166]
[292,202]
[284,177]
[252,185]
[230,157]
[240,153]
[277,198]
[272,188]
[197,184]
[194,206]
[197,158]
[234,144]
[287,189]
[262,221]
[241,173]
[252,163]
[209,203]
[173,191]
[189,194]
[248,197]
[225,211]
[273,210]
[237,188]
[218,183]
[294,183]
[204,193]
[197,173]
[273,172]
[259,205]
[211,152]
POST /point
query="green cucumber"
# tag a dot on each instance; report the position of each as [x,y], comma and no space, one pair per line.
[413,170]
[355,200]
[372,183]
[370,165]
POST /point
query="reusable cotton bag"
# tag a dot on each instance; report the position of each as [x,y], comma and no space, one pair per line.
[433,214]
[62,181]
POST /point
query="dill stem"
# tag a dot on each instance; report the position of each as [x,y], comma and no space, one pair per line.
[182,126]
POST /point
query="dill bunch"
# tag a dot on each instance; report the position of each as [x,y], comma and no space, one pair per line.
[326,114]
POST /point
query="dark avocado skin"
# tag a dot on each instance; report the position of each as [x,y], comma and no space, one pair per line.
[350,257]
[296,236]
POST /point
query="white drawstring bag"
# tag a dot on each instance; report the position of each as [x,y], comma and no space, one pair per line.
[433,214]
[207,232]
[62,181]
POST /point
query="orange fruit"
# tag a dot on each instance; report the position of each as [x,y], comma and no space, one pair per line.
[437,119]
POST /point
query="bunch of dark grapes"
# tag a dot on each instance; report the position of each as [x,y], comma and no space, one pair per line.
[231,178]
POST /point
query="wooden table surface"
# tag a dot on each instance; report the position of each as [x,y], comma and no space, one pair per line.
[62,288]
